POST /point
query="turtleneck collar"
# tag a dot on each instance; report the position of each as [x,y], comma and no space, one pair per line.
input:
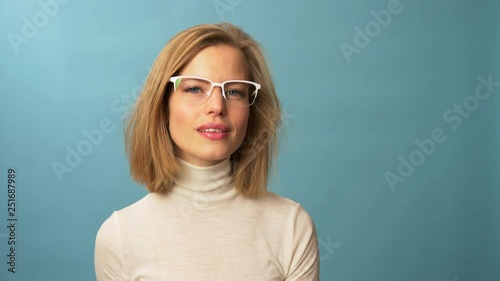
[204,187]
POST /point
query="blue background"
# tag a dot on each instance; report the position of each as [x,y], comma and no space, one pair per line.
[348,119]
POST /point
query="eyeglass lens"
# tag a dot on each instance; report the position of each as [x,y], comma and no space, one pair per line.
[197,90]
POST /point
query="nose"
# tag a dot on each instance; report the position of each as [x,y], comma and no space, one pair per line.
[216,103]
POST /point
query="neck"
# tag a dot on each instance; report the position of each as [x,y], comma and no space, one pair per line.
[204,187]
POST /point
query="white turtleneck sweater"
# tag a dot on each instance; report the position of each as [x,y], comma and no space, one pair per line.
[204,230]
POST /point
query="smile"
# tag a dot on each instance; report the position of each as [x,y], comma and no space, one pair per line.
[212,131]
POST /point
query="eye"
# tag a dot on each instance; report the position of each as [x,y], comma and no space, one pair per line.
[235,94]
[193,89]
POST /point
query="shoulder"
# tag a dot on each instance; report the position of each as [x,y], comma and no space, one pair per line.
[273,200]
[145,206]
[296,217]
[136,211]
[289,210]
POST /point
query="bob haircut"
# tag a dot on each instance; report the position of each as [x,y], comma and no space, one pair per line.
[150,149]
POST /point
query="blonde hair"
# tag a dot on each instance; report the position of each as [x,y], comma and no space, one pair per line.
[150,148]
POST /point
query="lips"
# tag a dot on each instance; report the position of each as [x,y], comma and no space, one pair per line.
[213,128]
[214,131]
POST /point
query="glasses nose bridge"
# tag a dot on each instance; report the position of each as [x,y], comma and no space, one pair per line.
[221,85]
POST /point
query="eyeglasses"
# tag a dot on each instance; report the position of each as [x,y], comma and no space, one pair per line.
[196,90]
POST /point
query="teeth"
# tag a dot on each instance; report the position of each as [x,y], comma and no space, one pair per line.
[212,131]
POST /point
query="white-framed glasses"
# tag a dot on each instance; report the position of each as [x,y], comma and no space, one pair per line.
[197,90]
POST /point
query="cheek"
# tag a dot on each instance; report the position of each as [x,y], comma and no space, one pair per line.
[177,119]
[179,111]
[241,121]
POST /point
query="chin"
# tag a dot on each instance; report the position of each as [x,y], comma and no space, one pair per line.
[207,158]
[215,156]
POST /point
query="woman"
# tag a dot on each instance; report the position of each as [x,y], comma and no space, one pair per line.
[202,138]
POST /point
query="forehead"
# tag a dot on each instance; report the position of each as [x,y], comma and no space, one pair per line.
[218,63]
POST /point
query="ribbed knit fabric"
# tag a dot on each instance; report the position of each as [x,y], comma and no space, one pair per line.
[204,230]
